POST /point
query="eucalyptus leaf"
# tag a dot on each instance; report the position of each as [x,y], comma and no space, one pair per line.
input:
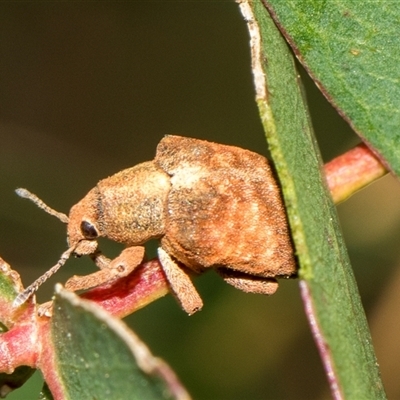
[351,49]
[324,264]
[98,357]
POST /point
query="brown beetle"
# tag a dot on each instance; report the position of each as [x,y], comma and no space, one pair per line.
[210,205]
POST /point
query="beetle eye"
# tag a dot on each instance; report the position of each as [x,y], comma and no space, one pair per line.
[88,230]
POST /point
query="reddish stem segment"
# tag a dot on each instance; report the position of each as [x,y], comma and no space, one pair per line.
[352,171]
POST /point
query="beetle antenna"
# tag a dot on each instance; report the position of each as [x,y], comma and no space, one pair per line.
[26,194]
[30,290]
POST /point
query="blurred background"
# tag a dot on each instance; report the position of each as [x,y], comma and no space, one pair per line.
[87,89]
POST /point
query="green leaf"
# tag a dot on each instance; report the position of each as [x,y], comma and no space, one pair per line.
[98,357]
[324,263]
[351,50]
[10,284]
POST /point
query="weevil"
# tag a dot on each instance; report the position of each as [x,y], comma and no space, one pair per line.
[209,205]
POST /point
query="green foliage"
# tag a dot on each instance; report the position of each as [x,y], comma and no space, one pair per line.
[98,357]
[351,49]
[324,263]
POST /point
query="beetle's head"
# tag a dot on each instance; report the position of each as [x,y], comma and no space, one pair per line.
[83,231]
[83,226]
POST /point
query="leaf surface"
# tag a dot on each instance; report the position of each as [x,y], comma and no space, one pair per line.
[98,357]
[329,287]
[351,50]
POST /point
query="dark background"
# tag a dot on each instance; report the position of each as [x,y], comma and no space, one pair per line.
[87,89]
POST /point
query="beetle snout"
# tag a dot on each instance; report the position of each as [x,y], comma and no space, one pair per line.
[85,247]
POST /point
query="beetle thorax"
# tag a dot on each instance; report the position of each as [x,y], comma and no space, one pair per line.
[132,204]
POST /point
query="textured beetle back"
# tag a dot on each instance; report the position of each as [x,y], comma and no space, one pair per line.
[133,203]
[225,209]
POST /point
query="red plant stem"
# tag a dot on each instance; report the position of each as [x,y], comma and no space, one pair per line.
[19,347]
[352,171]
[126,295]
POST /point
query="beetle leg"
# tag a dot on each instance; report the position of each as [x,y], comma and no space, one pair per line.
[121,266]
[100,259]
[248,283]
[180,283]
